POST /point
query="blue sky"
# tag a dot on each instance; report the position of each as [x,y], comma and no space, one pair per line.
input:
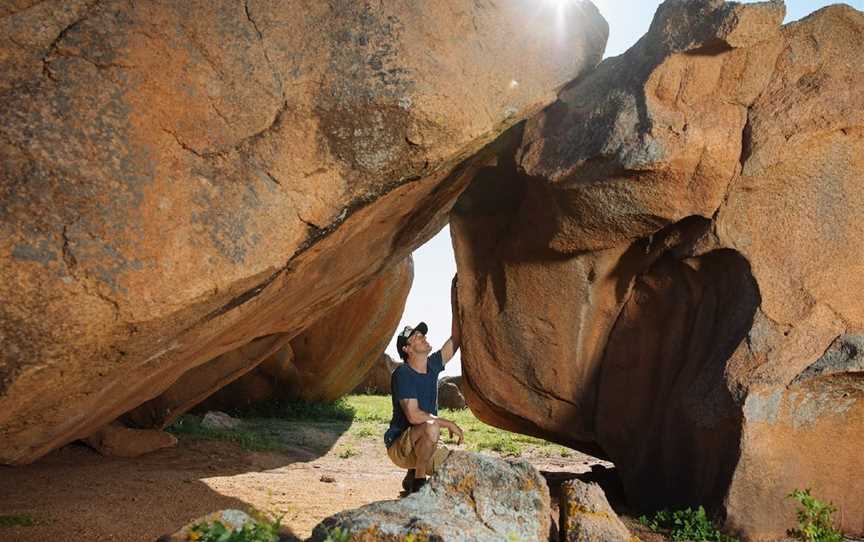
[434,264]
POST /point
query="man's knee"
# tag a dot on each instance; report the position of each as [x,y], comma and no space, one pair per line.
[431,432]
[428,433]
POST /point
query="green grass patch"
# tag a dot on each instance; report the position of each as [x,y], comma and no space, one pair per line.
[275,425]
[17,520]
[370,408]
[254,437]
[687,524]
[373,412]
[365,430]
[339,410]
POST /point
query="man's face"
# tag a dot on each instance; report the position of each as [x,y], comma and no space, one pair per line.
[418,344]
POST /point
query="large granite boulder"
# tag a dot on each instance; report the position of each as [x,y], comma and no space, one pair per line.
[666,268]
[473,497]
[324,362]
[179,179]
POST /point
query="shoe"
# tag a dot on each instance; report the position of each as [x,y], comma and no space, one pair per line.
[408,481]
[418,483]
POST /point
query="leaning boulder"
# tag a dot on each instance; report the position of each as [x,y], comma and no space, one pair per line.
[643,275]
[323,363]
[179,179]
[473,497]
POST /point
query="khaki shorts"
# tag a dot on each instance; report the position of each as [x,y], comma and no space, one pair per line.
[401,452]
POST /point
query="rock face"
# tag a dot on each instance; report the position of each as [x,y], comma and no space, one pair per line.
[587,517]
[323,363]
[665,268]
[180,179]
[377,380]
[118,441]
[449,393]
[472,497]
[334,354]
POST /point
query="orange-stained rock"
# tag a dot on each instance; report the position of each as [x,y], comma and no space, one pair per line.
[258,385]
[328,359]
[665,269]
[334,354]
[377,380]
[116,440]
[202,381]
[179,179]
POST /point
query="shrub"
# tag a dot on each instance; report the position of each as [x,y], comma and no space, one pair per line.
[687,524]
[337,534]
[814,519]
[347,452]
[259,529]
[17,520]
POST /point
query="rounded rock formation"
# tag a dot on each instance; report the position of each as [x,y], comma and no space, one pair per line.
[664,267]
[180,179]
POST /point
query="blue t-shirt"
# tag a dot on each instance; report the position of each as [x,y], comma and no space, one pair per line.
[406,383]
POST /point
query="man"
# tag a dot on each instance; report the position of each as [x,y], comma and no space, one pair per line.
[412,438]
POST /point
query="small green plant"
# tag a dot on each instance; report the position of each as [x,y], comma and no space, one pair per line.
[365,431]
[259,529]
[338,534]
[347,452]
[687,524]
[814,519]
[17,520]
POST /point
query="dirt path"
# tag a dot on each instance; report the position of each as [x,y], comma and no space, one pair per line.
[76,494]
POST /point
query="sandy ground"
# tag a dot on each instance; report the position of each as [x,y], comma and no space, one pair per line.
[75,494]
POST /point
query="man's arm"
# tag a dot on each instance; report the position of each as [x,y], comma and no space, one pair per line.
[455,341]
[416,416]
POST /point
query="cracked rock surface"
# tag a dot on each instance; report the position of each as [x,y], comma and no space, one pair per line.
[473,497]
[179,179]
[665,267]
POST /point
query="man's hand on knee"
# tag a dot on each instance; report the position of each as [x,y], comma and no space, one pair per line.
[451,428]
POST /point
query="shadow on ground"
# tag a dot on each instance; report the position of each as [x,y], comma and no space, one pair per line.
[76,494]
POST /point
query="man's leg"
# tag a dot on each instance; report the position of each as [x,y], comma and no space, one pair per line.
[408,481]
[424,438]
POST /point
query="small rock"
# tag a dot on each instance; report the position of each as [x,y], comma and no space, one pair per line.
[119,441]
[219,420]
[449,393]
[327,479]
[587,517]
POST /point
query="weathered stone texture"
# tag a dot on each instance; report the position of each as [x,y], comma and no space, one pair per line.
[587,517]
[472,497]
[178,179]
[665,268]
